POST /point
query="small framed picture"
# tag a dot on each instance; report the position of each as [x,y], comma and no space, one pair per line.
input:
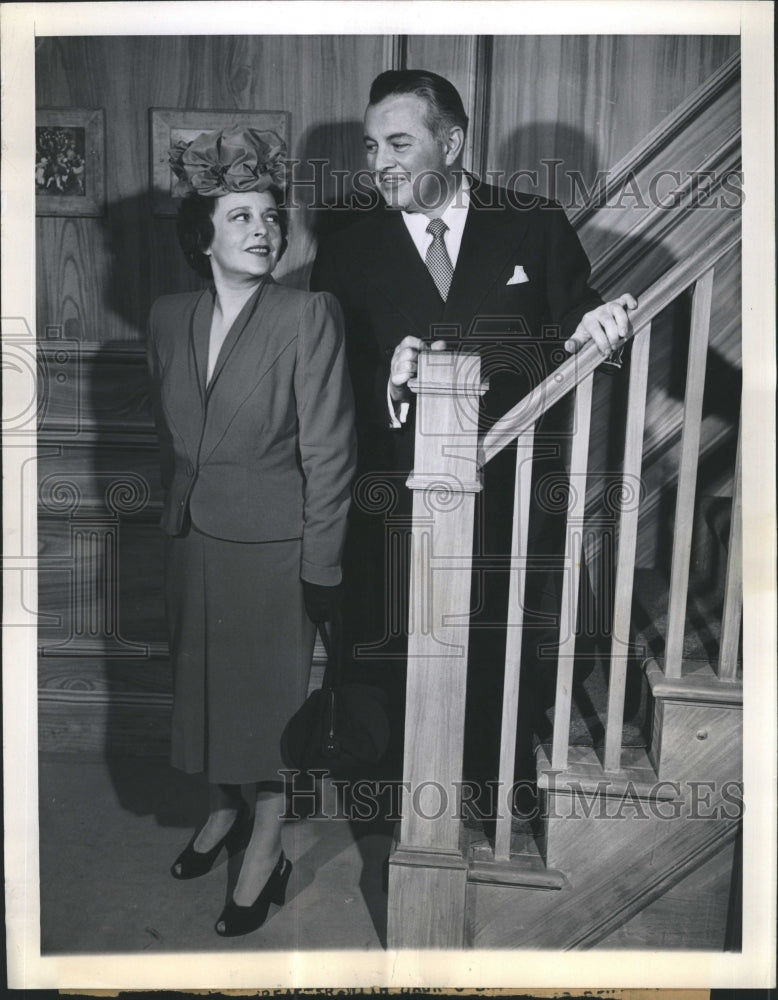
[168,126]
[69,161]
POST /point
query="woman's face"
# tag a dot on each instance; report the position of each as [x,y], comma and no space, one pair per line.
[247,237]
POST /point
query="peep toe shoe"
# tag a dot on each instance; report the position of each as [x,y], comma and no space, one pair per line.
[192,864]
[236,920]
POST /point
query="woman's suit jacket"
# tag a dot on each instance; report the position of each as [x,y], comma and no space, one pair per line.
[266,451]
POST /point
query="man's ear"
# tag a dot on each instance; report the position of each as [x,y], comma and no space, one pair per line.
[455,142]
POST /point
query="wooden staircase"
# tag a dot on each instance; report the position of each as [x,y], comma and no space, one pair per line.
[622,846]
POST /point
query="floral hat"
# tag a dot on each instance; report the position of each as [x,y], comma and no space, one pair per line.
[230,159]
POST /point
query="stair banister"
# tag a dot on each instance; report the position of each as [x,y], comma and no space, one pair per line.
[628,533]
[733,587]
[568,624]
[687,472]
[522,498]
[427,872]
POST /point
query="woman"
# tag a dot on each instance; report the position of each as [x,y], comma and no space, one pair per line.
[255,419]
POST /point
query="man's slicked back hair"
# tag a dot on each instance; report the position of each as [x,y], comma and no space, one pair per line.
[443,101]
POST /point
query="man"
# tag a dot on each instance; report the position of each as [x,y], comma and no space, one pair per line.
[450,261]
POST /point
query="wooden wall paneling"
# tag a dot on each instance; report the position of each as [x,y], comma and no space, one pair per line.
[94,390]
[395,51]
[586,99]
[127,679]
[70,264]
[537,110]
[52,76]
[105,72]
[633,220]
[668,133]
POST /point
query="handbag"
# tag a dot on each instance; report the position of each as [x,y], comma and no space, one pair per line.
[342,728]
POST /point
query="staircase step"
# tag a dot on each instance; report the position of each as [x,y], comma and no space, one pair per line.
[698,682]
[585,771]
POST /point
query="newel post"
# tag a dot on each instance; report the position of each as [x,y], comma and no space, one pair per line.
[427,873]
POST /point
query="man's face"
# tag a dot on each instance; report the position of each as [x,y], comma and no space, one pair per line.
[412,166]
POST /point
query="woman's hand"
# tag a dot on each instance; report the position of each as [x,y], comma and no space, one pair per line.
[322,604]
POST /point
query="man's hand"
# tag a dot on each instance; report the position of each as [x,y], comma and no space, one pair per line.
[405,363]
[607,326]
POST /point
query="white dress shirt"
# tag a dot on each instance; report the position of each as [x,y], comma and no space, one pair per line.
[455,217]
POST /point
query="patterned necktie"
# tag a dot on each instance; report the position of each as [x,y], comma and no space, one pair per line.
[437,258]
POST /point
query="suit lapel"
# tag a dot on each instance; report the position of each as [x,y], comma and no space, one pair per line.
[394,265]
[200,335]
[256,339]
[234,334]
[491,236]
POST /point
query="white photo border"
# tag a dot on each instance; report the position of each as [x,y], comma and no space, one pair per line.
[755,965]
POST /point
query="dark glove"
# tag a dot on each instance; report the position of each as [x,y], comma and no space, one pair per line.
[322,604]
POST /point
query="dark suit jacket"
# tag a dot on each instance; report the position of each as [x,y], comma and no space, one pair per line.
[386,292]
[266,451]
[519,329]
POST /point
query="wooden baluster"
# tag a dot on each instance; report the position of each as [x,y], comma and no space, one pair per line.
[733,588]
[568,623]
[427,870]
[628,533]
[515,627]
[687,473]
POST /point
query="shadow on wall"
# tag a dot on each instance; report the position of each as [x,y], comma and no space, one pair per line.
[322,194]
[144,260]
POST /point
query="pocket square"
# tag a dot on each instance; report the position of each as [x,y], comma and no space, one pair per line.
[518,277]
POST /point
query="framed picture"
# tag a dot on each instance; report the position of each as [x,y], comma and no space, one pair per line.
[69,161]
[170,125]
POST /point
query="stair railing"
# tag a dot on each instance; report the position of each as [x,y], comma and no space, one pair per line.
[575,375]
[428,864]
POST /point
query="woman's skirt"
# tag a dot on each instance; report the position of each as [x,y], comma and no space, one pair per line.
[241,647]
